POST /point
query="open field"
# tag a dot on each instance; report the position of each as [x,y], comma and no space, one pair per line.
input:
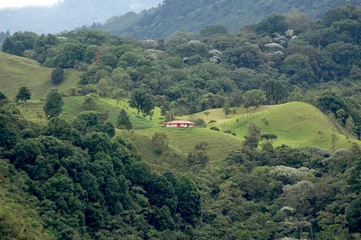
[16,72]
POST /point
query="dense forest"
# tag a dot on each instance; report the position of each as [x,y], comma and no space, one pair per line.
[80,180]
[192,16]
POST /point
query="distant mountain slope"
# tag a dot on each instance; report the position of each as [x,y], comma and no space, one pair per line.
[191,16]
[67,15]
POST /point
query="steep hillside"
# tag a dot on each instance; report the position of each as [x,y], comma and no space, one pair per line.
[67,14]
[191,16]
[16,72]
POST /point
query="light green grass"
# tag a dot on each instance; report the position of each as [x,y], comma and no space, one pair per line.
[16,72]
[296,124]
[33,111]
[173,158]
[220,144]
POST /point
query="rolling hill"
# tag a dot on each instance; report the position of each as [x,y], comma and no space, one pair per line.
[16,72]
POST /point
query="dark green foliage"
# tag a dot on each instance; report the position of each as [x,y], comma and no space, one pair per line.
[274,23]
[3,99]
[90,101]
[142,100]
[170,16]
[268,136]
[353,215]
[57,75]
[276,91]
[211,30]
[23,94]
[53,105]
[160,142]
[214,128]
[253,136]
[189,204]
[254,98]
[123,120]
[109,129]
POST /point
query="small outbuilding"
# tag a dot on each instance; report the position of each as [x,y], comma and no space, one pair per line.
[178,124]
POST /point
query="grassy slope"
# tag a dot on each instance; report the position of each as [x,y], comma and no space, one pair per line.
[296,124]
[16,72]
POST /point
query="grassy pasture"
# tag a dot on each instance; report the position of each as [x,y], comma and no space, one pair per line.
[16,72]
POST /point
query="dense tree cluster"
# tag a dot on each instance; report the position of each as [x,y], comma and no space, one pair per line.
[97,187]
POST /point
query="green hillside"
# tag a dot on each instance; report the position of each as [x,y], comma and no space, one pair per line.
[192,16]
[33,110]
[296,124]
[17,71]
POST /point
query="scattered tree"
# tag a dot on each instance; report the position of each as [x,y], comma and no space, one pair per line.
[23,94]
[123,121]
[57,75]
[254,98]
[53,105]
[253,136]
[160,142]
[227,108]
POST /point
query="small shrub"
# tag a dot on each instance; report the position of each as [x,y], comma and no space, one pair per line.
[57,75]
[265,121]
[228,131]
[212,121]
[268,136]
[215,128]
[234,134]
[200,122]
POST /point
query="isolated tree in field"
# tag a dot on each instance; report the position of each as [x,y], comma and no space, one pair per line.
[23,94]
[160,142]
[57,75]
[123,121]
[227,108]
[53,105]
[254,98]
[253,136]
[142,100]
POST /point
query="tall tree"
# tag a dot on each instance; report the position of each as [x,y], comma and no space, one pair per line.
[254,98]
[53,105]
[57,75]
[23,94]
[123,120]
[142,100]
[275,90]
[227,108]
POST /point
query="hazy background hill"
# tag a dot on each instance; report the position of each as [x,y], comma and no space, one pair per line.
[191,16]
[67,14]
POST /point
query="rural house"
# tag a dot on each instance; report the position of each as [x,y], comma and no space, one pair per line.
[179,124]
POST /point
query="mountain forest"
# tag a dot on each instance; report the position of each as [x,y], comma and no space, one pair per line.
[274,154]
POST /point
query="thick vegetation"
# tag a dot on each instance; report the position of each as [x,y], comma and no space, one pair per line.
[192,16]
[87,181]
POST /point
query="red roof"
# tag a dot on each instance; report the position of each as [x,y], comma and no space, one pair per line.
[178,122]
